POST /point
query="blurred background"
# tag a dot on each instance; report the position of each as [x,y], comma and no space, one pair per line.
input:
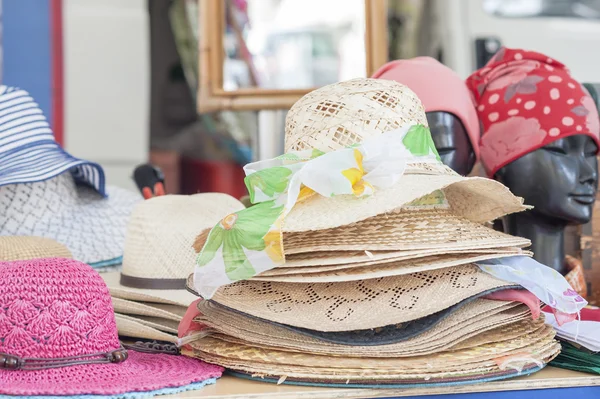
[120,80]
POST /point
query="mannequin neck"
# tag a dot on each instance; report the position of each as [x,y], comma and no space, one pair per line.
[547,237]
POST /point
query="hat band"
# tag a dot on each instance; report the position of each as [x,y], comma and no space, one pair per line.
[11,362]
[153,283]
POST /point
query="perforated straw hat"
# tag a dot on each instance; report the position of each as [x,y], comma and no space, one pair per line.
[58,337]
[23,248]
[341,114]
[361,304]
[158,247]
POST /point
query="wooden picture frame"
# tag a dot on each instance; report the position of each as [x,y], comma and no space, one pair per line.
[211,95]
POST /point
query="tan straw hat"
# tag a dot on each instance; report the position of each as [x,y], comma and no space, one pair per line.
[341,114]
[24,248]
[361,304]
[130,327]
[472,319]
[158,254]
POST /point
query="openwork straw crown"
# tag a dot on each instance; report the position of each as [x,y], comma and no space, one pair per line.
[345,113]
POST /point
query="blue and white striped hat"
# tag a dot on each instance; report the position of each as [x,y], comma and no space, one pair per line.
[46,192]
[28,151]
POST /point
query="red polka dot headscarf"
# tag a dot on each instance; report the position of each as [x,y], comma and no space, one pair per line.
[526,100]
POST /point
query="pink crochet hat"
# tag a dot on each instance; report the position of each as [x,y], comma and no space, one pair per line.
[58,336]
[438,87]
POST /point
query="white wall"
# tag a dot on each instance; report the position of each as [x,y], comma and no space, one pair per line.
[107,84]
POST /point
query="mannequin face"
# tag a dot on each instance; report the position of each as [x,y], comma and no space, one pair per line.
[451,141]
[560,180]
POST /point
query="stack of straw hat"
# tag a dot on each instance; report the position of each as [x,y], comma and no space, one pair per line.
[379,290]
[149,295]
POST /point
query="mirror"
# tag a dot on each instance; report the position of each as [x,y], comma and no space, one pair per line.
[266,54]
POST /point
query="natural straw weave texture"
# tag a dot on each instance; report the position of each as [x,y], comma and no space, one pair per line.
[165,325]
[131,328]
[383,270]
[169,312]
[24,248]
[330,260]
[403,230]
[338,115]
[472,319]
[359,304]
[158,244]
[498,345]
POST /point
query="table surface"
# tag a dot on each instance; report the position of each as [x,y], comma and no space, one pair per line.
[230,387]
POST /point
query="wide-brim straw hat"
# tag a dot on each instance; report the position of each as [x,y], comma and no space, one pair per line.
[345,273]
[360,304]
[58,337]
[345,113]
[489,357]
[24,248]
[159,253]
[90,225]
[149,309]
[473,319]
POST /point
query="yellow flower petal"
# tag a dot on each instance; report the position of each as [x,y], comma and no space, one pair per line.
[274,246]
[305,193]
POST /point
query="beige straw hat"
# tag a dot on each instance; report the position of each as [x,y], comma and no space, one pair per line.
[470,320]
[158,254]
[24,248]
[131,328]
[160,310]
[387,269]
[361,304]
[341,114]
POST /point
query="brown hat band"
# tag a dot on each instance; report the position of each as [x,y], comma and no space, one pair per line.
[11,362]
[153,283]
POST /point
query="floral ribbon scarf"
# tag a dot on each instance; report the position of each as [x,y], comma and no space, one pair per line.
[250,241]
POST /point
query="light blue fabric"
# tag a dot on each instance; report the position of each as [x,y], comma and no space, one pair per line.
[127,395]
[105,263]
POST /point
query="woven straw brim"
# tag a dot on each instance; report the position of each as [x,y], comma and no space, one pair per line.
[498,343]
[478,361]
[330,260]
[169,312]
[474,318]
[476,199]
[170,297]
[130,328]
[403,230]
[382,270]
[164,325]
[357,305]
[25,248]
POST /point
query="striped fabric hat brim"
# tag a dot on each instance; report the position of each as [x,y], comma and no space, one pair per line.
[28,151]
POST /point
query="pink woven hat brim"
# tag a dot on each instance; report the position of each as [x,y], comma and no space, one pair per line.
[142,372]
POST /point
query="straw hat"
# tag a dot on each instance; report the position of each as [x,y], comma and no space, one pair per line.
[341,114]
[158,246]
[472,319]
[361,304]
[479,363]
[135,328]
[23,248]
[58,337]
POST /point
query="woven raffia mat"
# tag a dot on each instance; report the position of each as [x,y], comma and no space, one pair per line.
[472,319]
[403,230]
[25,247]
[319,261]
[356,305]
[383,270]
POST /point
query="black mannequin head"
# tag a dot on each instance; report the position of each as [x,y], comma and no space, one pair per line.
[452,142]
[560,180]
